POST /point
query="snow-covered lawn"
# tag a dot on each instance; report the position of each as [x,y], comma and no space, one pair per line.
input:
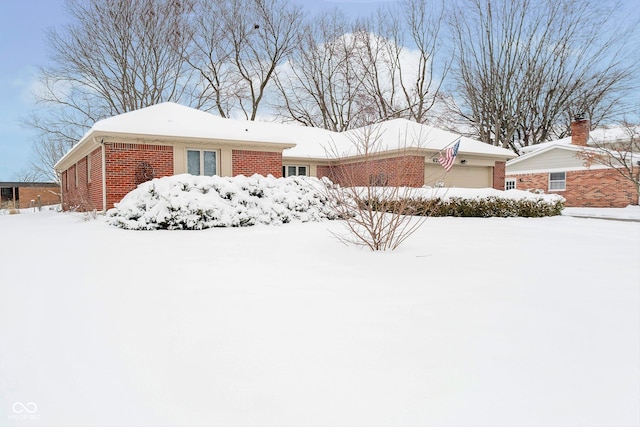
[472,322]
[630,212]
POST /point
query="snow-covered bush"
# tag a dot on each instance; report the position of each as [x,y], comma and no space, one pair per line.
[484,203]
[497,207]
[187,202]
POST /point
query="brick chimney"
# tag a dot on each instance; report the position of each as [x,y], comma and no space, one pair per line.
[580,130]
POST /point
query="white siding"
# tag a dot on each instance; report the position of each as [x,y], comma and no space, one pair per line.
[552,159]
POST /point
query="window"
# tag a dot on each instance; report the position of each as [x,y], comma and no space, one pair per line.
[88,169]
[201,162]
[294,170]
[6,194]
[75,174]
[557,181]
[510,184]
[10,196]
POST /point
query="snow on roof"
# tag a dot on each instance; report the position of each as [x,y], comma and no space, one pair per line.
[559,142]
[603,134]
[391,135]
[170,119]
[606,134]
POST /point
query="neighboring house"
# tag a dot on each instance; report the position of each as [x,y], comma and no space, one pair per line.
[29,194]
[557,167]
[120,152]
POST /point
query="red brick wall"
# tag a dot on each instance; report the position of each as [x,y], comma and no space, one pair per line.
[323,171]
[75,191]
[498,175]
[123,160]
[40,195]
[404,171]
[86,194]
[602,188]
[48,196]
[245,162]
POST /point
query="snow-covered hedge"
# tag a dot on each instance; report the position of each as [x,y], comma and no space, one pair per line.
[483,202]
[187,202]
[495,206]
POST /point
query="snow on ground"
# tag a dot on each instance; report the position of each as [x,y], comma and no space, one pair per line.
[628,213]
[472,322]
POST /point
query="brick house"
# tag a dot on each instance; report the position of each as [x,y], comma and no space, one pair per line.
[120,152]
[29,194]
[557,167]
[400,152]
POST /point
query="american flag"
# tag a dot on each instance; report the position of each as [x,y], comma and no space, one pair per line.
[449,156]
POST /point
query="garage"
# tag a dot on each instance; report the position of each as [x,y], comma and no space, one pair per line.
[461,175]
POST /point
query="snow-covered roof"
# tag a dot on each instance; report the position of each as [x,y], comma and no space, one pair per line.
[601,135]
[397,134]
[611,134]
[169,119]
[559,142]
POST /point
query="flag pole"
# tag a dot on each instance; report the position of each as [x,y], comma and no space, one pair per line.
[446,146]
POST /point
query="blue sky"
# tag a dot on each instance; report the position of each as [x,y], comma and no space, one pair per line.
[22,50]
[23,24]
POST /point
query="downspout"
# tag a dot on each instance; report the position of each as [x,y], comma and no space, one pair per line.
[104,174]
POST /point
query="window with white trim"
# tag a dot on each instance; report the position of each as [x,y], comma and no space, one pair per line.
[510,184]
[295,170]
[557,181]
[202,162]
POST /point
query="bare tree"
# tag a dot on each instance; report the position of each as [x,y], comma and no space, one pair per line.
[376,202]
[115,56]
[622,154]
[28,175]
[402,55]
[237,46]
[210,54]
[347,75]
[522,66]
[320,83]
